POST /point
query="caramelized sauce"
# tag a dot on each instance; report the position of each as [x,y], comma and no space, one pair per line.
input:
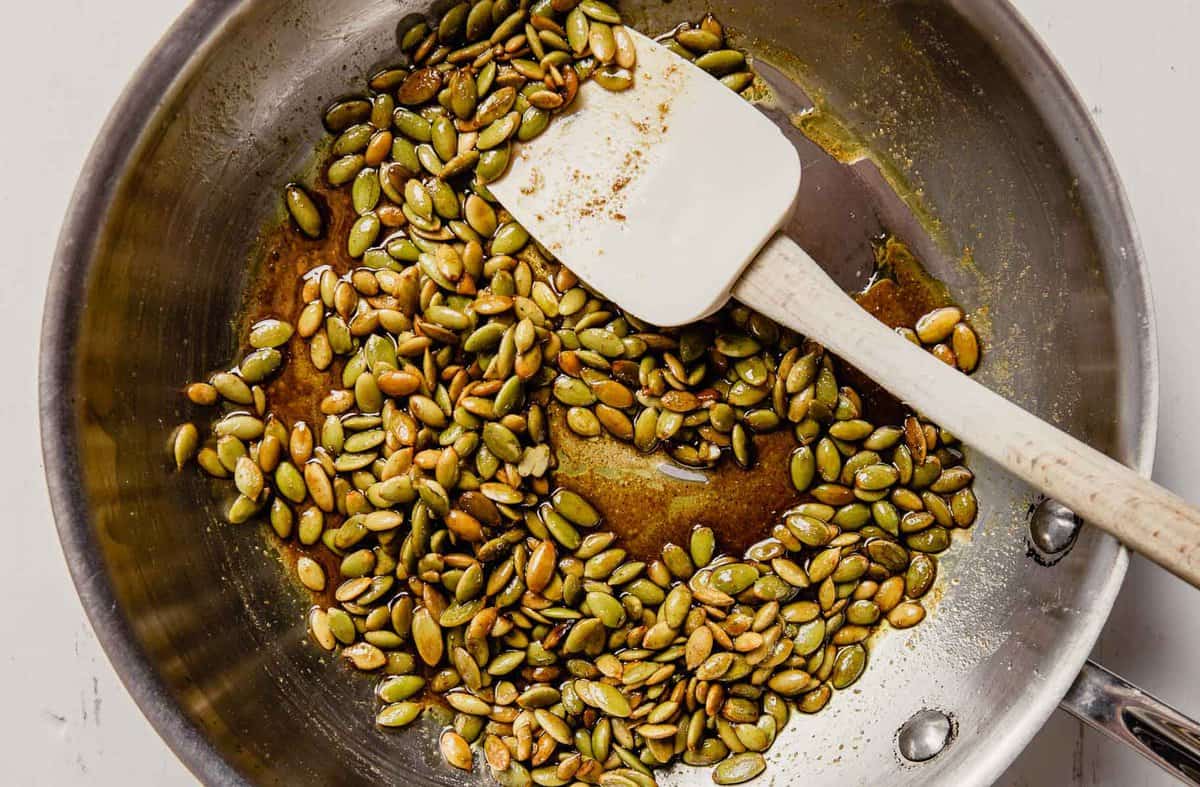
[900,292]
[648,508]
[295,394]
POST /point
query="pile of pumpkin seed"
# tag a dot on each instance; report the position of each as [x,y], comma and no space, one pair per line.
[464,577]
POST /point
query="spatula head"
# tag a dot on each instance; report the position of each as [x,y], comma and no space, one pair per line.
[657,196]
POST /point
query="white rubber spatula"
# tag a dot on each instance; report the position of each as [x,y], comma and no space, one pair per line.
[666,198]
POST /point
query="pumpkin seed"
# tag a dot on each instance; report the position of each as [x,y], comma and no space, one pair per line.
[399,714]
[738,81]
[906,615]
[345,169]
[427,637]
[739,768]
[364,656]
[455,750]
[614,78]
[184,443]
[343,114]
[575,508]
[937,325]
[698,40]
[932,539]
[802,468]
[303,210]
[722,61]
[848,665]
[965,345]
[604,697]
[577,30]
[533,122]
[260,364]
[363,234]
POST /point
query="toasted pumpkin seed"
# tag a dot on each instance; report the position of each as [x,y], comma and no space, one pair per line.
[739,768]
[399,714]
[303,210]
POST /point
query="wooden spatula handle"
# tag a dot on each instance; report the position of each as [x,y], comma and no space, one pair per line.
[785,284]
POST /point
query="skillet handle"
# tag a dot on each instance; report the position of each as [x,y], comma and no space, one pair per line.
[1123,712]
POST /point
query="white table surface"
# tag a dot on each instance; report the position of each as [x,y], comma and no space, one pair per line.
[64,716]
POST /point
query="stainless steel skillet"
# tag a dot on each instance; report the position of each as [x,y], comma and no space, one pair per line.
[965,111]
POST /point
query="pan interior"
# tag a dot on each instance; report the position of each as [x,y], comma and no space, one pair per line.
[947,150]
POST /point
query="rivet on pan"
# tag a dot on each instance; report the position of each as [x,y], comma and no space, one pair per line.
[924,736]
[1053,528]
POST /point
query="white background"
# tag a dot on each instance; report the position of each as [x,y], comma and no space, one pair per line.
[64,716]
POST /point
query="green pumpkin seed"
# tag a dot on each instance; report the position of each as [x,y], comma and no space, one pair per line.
[505,663]
[558,527]
[509,239]
[721,61]
[829,460]
[343,114]
[926,472]
[876,477]
[427,637]
[353,140]
[603,696]
[345,169]
[413,126]
[502,442]
[399,714]
[453,22]
[363,235]
[498,132]
[932,539]
[577,27]
[922,571]
[863,612]
[734,578]
[739,768]
[964,507]
[614,78]
[398,688]
[852,516]
[575,508]
[303,210]
[232,388]
[492,164]
[242,509]
[698,39]
[583,422]
[270,333]
[533,122]
[495,105]
[239,425]
[810,531]
[463,96]
[444,138]
[290,483]
[889,554]
[260,364]
[600,11]
[802,468]
[184,444]
[848,666]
